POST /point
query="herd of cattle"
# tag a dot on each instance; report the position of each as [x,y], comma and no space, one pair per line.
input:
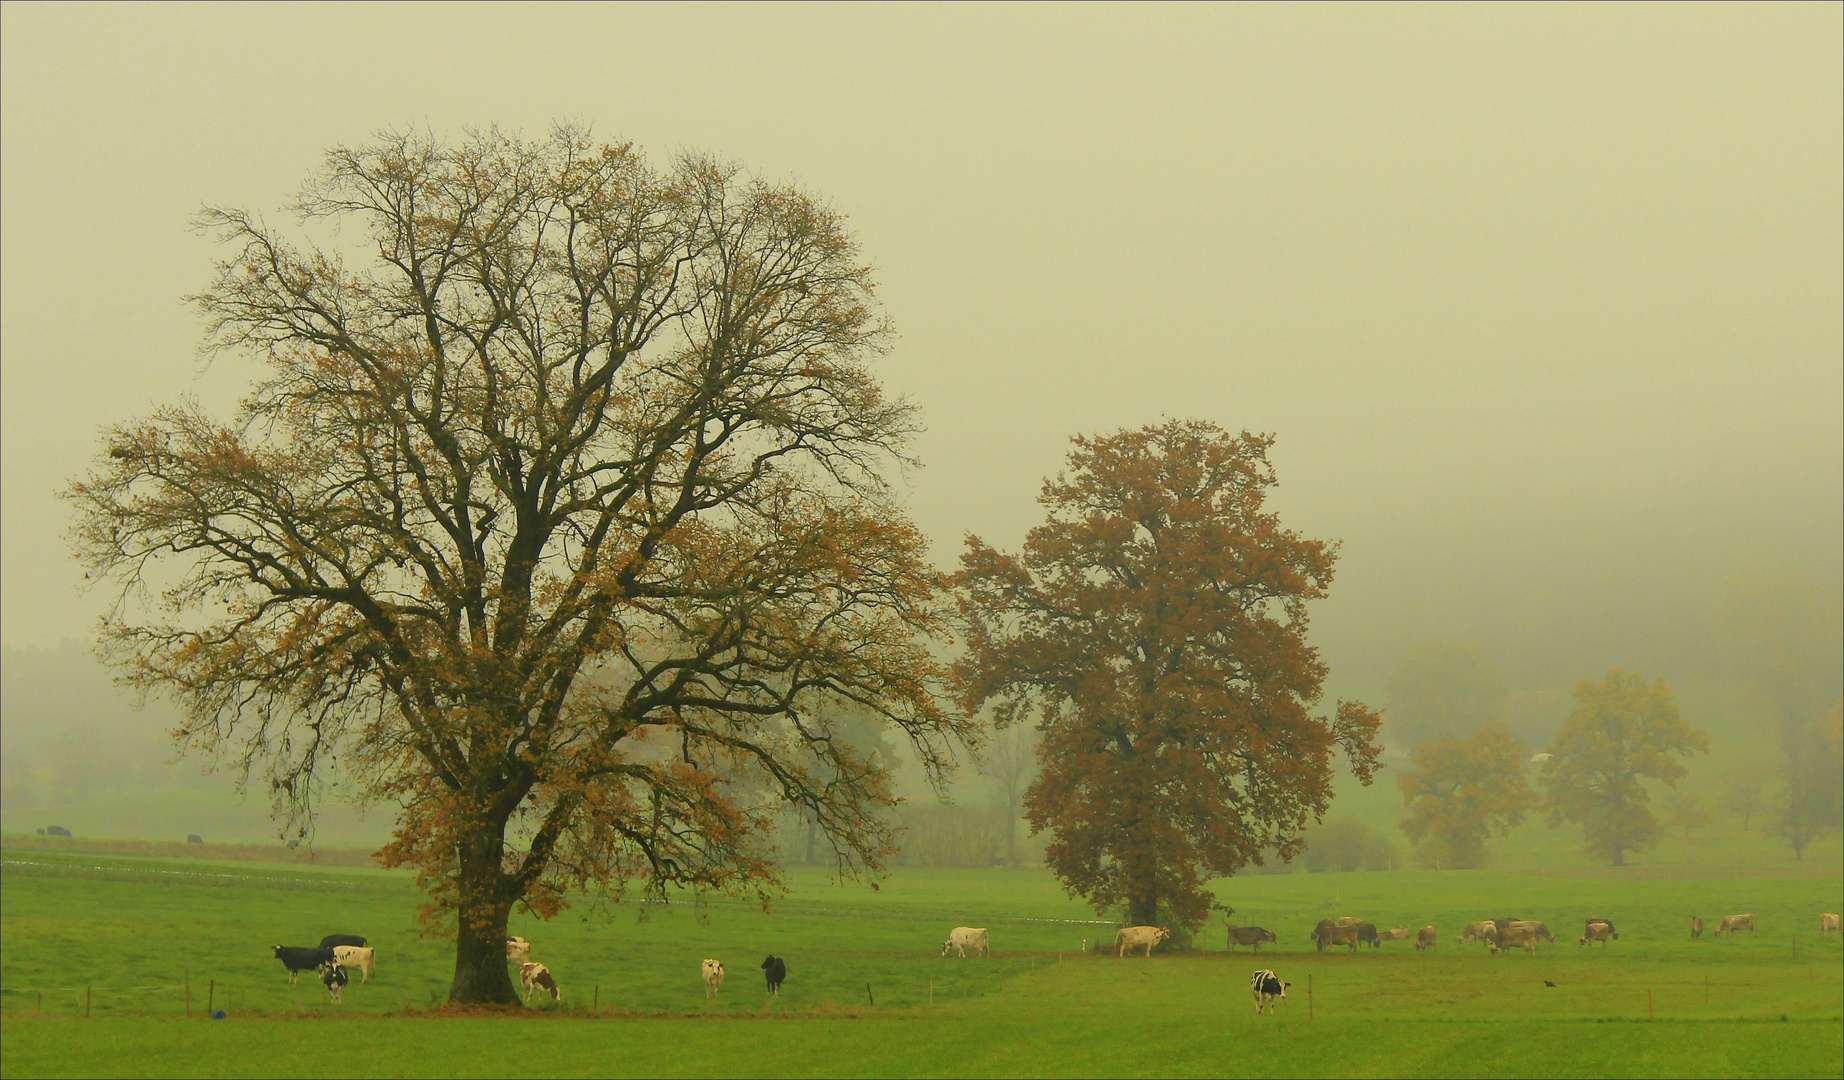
[338,952]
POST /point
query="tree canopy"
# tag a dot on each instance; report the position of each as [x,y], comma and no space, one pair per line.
[560,519]
[1154,628]
[1621,732]
[1460,791]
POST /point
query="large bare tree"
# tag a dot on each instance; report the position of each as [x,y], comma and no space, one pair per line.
[560,518]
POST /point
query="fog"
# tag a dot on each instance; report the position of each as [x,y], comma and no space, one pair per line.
[1543,302]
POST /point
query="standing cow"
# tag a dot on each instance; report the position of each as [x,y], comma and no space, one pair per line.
[1828,922]
[962,938]
[713,978]
[1133,937]
[1600,930]
[334,978]
[354,956]
[1477,931]
[537,977]
[776,969]
[1732,923]
[1268,989]
[1424,938]
[1696,927]
[1329,933]
[298,959]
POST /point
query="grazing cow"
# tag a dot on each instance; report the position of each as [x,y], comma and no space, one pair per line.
[1514,936]
[1535,927]
[962,938]
[1732,923]
[1400,933]
[1828,922]
[1329,933]
[334,941]
[352,956]
[1366,933]
[713,978]
[537,977]
[297,959]
[1424,938]
[1248,935]
[1598,930]
[1696,927]
[333,977]
[1132,937]
[777,971]
[1268,989]
[518,950]
[1477,931]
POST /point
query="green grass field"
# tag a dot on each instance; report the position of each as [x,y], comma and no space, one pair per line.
[133,930]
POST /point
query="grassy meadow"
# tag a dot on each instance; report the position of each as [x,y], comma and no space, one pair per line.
[867,992]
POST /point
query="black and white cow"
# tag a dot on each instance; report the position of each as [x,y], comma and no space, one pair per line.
[1267,988]
[777,971]
[333,977]
[333,941]
[297,959]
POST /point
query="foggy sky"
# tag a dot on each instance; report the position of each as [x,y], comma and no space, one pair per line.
[1542,302]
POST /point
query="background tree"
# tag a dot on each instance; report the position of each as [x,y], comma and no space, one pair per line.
[553,521]
[1155,628]
[1810,802]
[1443,688]
[1621,732]
[1783,636]
[1742,794]
[1686,811]
[1009,758]
[1460,791]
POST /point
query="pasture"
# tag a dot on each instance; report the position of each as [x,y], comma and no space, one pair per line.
[868,994]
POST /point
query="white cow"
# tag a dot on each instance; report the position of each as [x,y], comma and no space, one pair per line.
[1732,923]
[353,956]
[1133,937]
[537,977]
[713,978]
[962,938]
[1827,922]
[1268,989]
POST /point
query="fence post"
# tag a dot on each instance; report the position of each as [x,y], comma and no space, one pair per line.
[210,994]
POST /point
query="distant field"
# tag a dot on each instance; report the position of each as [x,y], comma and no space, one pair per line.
[135,929]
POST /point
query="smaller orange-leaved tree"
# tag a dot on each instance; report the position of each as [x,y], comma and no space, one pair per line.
[1155,628]
[1622,732]
[1460,791]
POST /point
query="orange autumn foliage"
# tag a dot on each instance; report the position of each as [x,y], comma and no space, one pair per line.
[1154,628]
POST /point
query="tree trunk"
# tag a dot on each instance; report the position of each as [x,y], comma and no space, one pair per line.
[1143,911]
[1011,831]
[480,924]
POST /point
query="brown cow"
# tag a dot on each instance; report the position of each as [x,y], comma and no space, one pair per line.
[1696,927]
[1477,931]
[1732,923]
[1328,933]
[1598,930]
[1248,935]
[1424,938]
[1516,936]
